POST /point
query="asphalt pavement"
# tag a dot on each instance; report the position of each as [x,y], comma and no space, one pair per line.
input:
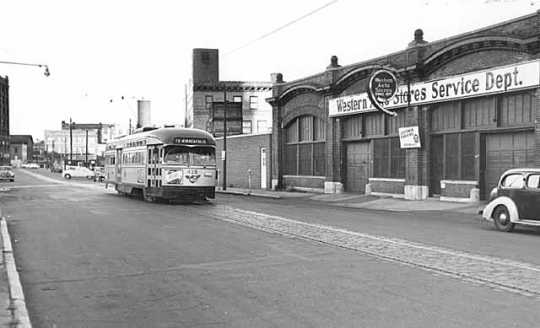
[91,258]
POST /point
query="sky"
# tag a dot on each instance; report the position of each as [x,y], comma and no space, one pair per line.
[103,55]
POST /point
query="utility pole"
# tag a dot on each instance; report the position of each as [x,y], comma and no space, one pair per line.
[65,151]
[224,138]
[86,151]
[70,142]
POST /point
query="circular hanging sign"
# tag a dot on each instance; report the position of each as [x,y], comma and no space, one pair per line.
[381,88]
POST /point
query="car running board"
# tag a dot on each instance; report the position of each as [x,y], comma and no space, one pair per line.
[529,222]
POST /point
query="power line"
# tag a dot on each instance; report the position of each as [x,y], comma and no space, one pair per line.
[283,26]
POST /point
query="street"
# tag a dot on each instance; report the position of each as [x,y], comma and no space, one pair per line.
[89,257]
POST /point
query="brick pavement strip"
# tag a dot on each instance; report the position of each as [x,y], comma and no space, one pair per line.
[518,277]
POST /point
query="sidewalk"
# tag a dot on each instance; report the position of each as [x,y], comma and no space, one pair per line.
[364,201]
[13,312]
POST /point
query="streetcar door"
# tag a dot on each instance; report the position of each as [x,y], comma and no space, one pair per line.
[118,166]
[154,167]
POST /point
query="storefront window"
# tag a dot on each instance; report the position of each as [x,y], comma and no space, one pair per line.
[305,152]
[388,158]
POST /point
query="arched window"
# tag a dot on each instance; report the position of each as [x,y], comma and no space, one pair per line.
[305,149]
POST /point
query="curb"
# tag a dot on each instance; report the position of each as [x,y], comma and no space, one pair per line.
[241,193]
[20,316]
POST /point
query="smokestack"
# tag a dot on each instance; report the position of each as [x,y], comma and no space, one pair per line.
[143,114]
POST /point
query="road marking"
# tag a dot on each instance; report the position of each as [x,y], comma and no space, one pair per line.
[32,186]
[69,183]
[518,277]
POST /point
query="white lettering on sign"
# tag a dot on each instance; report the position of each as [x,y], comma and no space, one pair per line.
[409,137]
[496,80]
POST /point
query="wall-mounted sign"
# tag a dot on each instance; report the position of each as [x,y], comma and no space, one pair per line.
[495,80]
[382,87]
[409,137]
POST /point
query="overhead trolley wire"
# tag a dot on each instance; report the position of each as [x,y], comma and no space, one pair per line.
[247,44]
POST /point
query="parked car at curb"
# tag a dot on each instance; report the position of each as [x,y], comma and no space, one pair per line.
[77,172]
[515,200]
[6,173]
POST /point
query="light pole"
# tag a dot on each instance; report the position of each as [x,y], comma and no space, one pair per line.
[46,72]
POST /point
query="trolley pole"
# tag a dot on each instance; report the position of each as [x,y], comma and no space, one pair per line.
[224,138]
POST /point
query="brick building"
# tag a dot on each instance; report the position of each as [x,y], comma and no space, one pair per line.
[21,149]
[205,90]
[4,120]
[248,161]
[474,97]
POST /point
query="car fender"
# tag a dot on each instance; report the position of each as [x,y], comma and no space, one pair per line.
[502,200]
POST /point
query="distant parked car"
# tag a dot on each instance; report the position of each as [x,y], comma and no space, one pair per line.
[30,166]
[77,172]
[6,173]
[515,200]
[56,168]
[99,173]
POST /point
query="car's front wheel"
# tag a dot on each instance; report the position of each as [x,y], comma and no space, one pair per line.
[67,176]
[501,218]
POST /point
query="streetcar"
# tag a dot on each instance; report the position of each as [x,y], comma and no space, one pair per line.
[163,163]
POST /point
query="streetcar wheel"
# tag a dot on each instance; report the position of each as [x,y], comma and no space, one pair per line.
[501,218]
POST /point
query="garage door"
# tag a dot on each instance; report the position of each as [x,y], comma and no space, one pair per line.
[506,151]
[358,156]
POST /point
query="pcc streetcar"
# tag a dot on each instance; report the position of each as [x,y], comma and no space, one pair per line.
[163,163]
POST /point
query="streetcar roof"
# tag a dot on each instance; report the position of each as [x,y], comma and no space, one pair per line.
[167,136]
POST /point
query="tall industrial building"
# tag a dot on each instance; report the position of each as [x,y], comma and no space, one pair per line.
[247,113]
[4,120]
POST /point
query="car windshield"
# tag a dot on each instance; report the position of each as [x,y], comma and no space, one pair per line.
[189,155]
[5,168]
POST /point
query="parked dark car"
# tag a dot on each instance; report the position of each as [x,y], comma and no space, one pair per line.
[515,200]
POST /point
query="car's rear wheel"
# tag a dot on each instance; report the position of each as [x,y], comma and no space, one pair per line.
[67,176]
[501,218]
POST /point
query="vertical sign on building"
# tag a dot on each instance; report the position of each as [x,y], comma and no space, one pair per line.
[381,88]
[234,118]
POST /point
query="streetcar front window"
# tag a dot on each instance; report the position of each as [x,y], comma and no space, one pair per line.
[181,155]
[177,155]
[203,156]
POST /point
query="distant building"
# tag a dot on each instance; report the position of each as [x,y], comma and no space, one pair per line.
[105,132]
[39,152]
[21,149]
[247,113]
[4,120]
[88,142]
